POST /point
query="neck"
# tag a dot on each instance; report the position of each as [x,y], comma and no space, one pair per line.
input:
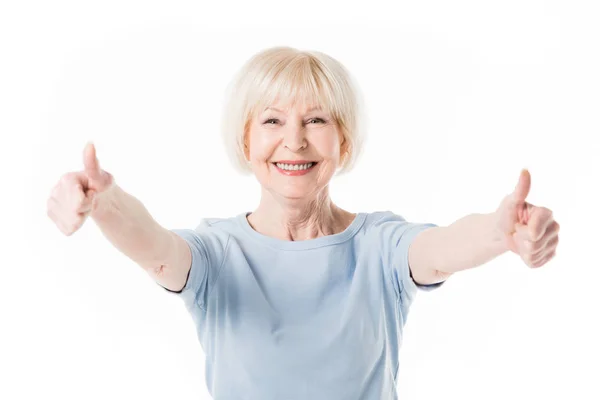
[299,219]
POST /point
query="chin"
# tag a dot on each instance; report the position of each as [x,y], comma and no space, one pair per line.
[295,193]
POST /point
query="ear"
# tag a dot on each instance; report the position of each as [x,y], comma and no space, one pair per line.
[245,144]
[344,145]
[344,151]
[246,151]
[246,141]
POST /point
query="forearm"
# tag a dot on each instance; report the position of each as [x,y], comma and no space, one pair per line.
[128,225]
[467,243]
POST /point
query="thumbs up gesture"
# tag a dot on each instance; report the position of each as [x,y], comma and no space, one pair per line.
[529,231]
[72,198]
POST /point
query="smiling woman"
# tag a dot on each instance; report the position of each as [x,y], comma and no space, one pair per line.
[293,141]
[282,78]
[299,298]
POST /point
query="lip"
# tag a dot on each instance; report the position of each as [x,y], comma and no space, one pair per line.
[294,162]
[298,172]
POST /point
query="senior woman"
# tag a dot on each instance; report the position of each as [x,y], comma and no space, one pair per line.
[299,299]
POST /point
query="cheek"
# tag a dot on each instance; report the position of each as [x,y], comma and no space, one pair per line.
[262,146]
[327,145]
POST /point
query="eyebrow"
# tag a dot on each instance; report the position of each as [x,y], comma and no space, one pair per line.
[278,110]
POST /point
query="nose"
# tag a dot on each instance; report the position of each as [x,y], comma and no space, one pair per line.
[294,138]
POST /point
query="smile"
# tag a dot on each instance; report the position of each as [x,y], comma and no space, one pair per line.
[294,168]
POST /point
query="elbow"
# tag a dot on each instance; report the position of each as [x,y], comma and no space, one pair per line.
[429,277]
[441,276]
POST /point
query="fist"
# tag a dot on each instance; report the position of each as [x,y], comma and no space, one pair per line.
[72,198]
[529,230]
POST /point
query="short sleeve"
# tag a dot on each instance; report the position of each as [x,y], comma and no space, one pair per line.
[207,249]
[402,264]
[397,234]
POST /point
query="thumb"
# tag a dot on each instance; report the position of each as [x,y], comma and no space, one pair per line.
[90,162]
[522,189]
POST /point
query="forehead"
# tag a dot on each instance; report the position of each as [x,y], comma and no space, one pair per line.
[289,108]
[288,104]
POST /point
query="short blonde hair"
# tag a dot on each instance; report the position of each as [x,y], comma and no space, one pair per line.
[289,74]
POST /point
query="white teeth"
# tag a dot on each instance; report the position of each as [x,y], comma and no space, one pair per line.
[294,167]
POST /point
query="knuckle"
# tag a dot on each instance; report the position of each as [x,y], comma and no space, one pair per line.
[70,179]
[79,221]
[537,246]
[540,258]
[78,198]
[56,190]
[62,228]
[66,178]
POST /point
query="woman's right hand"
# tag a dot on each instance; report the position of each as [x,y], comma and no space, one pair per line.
[75,194]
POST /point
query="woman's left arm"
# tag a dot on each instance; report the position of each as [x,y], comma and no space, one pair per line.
[517,226]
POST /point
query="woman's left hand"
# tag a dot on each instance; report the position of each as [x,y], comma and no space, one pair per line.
[528,230]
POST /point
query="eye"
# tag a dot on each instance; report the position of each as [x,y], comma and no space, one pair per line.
[271,121]
[316,120]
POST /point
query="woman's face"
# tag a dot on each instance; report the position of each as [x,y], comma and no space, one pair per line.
[294,151]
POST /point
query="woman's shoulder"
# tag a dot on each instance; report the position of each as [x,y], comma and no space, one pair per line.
[216,224]
[238,222]
[392,225]
[382,215]
[375,219]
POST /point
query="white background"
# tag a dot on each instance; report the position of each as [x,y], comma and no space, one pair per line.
[461,96]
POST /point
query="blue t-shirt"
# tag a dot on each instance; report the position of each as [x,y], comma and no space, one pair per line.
[313,319]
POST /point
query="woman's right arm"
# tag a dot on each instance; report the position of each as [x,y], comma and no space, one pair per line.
[123,220]
[128,225]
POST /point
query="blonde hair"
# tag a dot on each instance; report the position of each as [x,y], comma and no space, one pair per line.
[286,73]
